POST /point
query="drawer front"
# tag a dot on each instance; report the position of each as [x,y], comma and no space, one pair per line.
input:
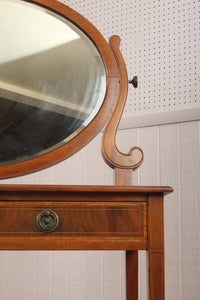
[75,219]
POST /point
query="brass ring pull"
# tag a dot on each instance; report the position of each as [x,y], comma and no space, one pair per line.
[47,220]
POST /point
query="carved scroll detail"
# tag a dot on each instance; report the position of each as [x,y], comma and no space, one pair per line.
[113,156]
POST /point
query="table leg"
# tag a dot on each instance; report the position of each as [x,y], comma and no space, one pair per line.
[132,275]
[156,247]
[156,275]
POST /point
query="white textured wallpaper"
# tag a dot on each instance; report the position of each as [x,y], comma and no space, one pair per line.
[160,44]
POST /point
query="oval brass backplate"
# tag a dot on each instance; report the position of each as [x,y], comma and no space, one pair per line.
[47,220]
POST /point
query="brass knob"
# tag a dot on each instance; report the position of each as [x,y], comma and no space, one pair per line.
[47,220]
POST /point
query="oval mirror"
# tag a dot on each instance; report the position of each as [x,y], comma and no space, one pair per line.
[56,75]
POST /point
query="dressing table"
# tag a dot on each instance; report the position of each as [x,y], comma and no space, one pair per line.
[56,94]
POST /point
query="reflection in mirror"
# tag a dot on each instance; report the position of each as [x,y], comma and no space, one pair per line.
[52,81]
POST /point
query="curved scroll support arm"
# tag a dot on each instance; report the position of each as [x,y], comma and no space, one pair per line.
[113,156]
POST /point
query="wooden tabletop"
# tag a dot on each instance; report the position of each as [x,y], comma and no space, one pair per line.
[86,188]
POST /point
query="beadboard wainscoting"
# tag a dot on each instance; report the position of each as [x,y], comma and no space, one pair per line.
[171,158]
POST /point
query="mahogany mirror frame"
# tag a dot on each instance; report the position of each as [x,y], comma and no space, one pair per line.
[75,144]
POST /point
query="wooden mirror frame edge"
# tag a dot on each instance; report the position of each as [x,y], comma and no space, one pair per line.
[59,154]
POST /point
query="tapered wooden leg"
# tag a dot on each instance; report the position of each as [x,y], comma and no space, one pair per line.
[156,247]
[131,275]
[156,276]
[123,177]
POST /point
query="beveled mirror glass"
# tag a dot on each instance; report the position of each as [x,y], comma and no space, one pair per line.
[52,81]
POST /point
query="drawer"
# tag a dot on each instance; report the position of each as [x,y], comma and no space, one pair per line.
[80,219]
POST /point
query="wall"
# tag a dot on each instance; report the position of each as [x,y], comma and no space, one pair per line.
[160,44]
[171,158]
